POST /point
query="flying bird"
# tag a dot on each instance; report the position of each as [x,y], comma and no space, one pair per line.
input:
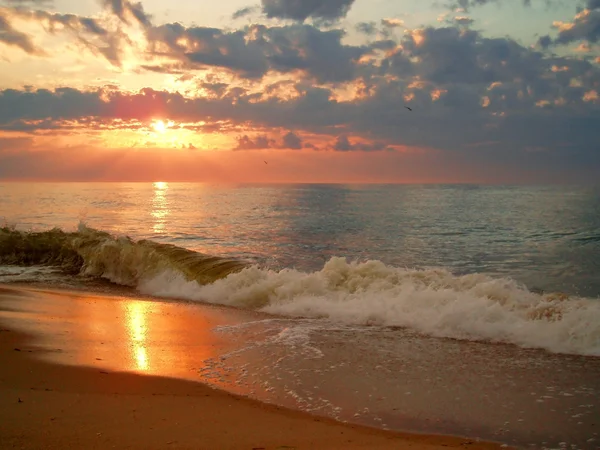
[266,162]
[410,109]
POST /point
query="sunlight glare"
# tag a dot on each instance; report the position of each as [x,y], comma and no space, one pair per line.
[137,313]
[160,206]
[159,126]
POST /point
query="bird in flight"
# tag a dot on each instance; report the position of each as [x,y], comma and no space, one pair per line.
[410,109]
[266,162]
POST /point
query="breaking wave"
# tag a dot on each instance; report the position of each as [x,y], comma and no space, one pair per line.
[121,260]
[432,301]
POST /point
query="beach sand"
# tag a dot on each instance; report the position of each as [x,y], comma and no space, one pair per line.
[46,405]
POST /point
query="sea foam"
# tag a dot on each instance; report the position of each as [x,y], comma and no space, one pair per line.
[434,302]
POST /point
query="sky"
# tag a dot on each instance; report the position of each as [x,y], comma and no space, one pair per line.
[293,91]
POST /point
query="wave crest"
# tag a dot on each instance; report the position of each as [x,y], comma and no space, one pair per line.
[119,259]
[434,302]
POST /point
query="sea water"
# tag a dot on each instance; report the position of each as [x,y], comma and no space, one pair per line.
[463,309]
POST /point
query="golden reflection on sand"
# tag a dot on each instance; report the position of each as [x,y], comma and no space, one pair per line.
[119,333]
[160,206]
[137,314]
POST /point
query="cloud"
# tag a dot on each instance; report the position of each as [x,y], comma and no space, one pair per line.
[384,28]
[244,12]
[593,4]
[255,50]
[392,23]
[258,143]
[88,32]
[201,47]
[501,89]
[566,137]
[463,87]
[126,10]
[319,54]
[463,20]
[289,141]
[475,100]
[300,10]
[466,5]
[12,37]
[292,141]
[585,26]
[451,55]
[343,144]
[368,28]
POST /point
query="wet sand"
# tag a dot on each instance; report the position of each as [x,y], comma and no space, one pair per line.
[115,393]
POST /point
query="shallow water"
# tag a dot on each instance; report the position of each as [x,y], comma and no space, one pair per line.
[384,377]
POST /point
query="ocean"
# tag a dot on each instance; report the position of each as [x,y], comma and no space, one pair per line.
[459,309]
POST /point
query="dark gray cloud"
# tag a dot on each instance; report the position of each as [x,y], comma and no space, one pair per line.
[566,134]
[584,27]
[255,50]
[208,47]
[451,55]
[15,38]
[215,89]
[318,53]
[291,140]
[343,144]
[368,28]
[244,12]
[258,143]
[33,126]
[467,5]
[385,27]
[126,10]
[300,10]
[593,4]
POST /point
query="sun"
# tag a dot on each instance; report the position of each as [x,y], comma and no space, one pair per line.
[159,126]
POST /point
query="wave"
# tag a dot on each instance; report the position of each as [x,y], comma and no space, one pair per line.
[122,260]
[435,302]
[432,301]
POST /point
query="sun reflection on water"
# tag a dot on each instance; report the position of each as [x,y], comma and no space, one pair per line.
[160,206]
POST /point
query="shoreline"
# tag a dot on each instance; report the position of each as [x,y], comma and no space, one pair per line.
[72,406]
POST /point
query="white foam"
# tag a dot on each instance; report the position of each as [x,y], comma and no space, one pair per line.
[21,274]
[435,302]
